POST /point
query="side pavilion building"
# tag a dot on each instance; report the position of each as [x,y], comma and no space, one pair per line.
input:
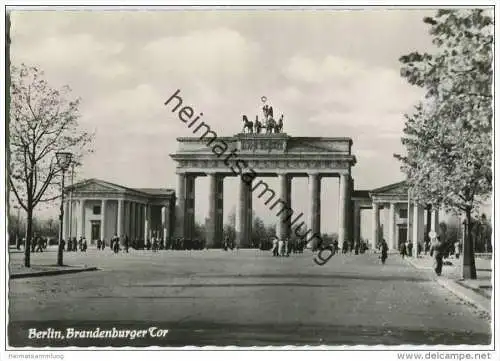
[99,210]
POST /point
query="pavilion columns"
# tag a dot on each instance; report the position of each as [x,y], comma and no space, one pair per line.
[375,224]
[244,214]
[137,221]
[315,205]
[392,223]
[147,221]
[344,202]
[428,221]
[215,210]
[81,231]
[283,229]
[418,224]
[119,219]
[104,203]
[132,221]
[65,222]
[435,220]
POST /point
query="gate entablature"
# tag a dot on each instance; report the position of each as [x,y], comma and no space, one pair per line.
[267,154]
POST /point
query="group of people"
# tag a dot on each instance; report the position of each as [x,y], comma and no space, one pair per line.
[73,245]
[38,244]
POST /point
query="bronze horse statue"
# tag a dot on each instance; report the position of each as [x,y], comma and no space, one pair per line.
[247,124]
[279,127]
[258,125]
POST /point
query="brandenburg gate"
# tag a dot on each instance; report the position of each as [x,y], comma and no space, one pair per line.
[273,154]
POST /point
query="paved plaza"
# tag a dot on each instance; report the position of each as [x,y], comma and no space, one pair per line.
[242,298]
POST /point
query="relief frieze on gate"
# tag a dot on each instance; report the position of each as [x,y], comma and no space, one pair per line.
[262,144]
[292,164]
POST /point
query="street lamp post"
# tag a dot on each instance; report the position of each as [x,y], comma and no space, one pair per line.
[63,160]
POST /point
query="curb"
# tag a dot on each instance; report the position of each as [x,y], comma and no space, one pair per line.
[461,292]
[52,273]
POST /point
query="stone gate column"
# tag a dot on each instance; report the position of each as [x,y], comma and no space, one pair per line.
[351,211]
[249,204]
[289,204]
[189,220]
[283,227]
[357,222]
[392,221]
[315,203]
[219,211]
[181,204]
[241,214]
[212,209]
[344,199]
[375,224]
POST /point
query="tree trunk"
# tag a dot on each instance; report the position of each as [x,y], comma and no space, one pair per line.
[468,264]
[29,232]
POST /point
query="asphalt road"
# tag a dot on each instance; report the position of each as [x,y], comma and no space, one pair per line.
[244,298]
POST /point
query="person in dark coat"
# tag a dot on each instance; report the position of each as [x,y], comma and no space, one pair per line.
[127,241]
[402,249]
[39,244]
[437,251]
[384,248]
[410,249]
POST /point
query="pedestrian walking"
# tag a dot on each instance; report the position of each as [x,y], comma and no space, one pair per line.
[409,247]
[127,241]
[280,247]
[437,251]
[39,244]
[384,248]
[402,249]
[275,247]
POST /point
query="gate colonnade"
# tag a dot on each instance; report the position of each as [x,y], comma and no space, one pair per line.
[263,155]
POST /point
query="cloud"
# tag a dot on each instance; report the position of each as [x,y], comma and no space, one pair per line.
[221,55]
[340,90]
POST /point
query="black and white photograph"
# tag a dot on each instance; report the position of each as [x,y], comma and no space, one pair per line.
[249,177]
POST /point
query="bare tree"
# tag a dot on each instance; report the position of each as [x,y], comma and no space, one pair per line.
[43,121]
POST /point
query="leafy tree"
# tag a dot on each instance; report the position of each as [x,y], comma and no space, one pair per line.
[448,137]
[43,121]
[259,233]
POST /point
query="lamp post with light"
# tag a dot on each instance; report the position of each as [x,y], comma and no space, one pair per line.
[63,161]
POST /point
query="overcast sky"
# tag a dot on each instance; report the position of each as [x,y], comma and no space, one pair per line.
[332,73]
